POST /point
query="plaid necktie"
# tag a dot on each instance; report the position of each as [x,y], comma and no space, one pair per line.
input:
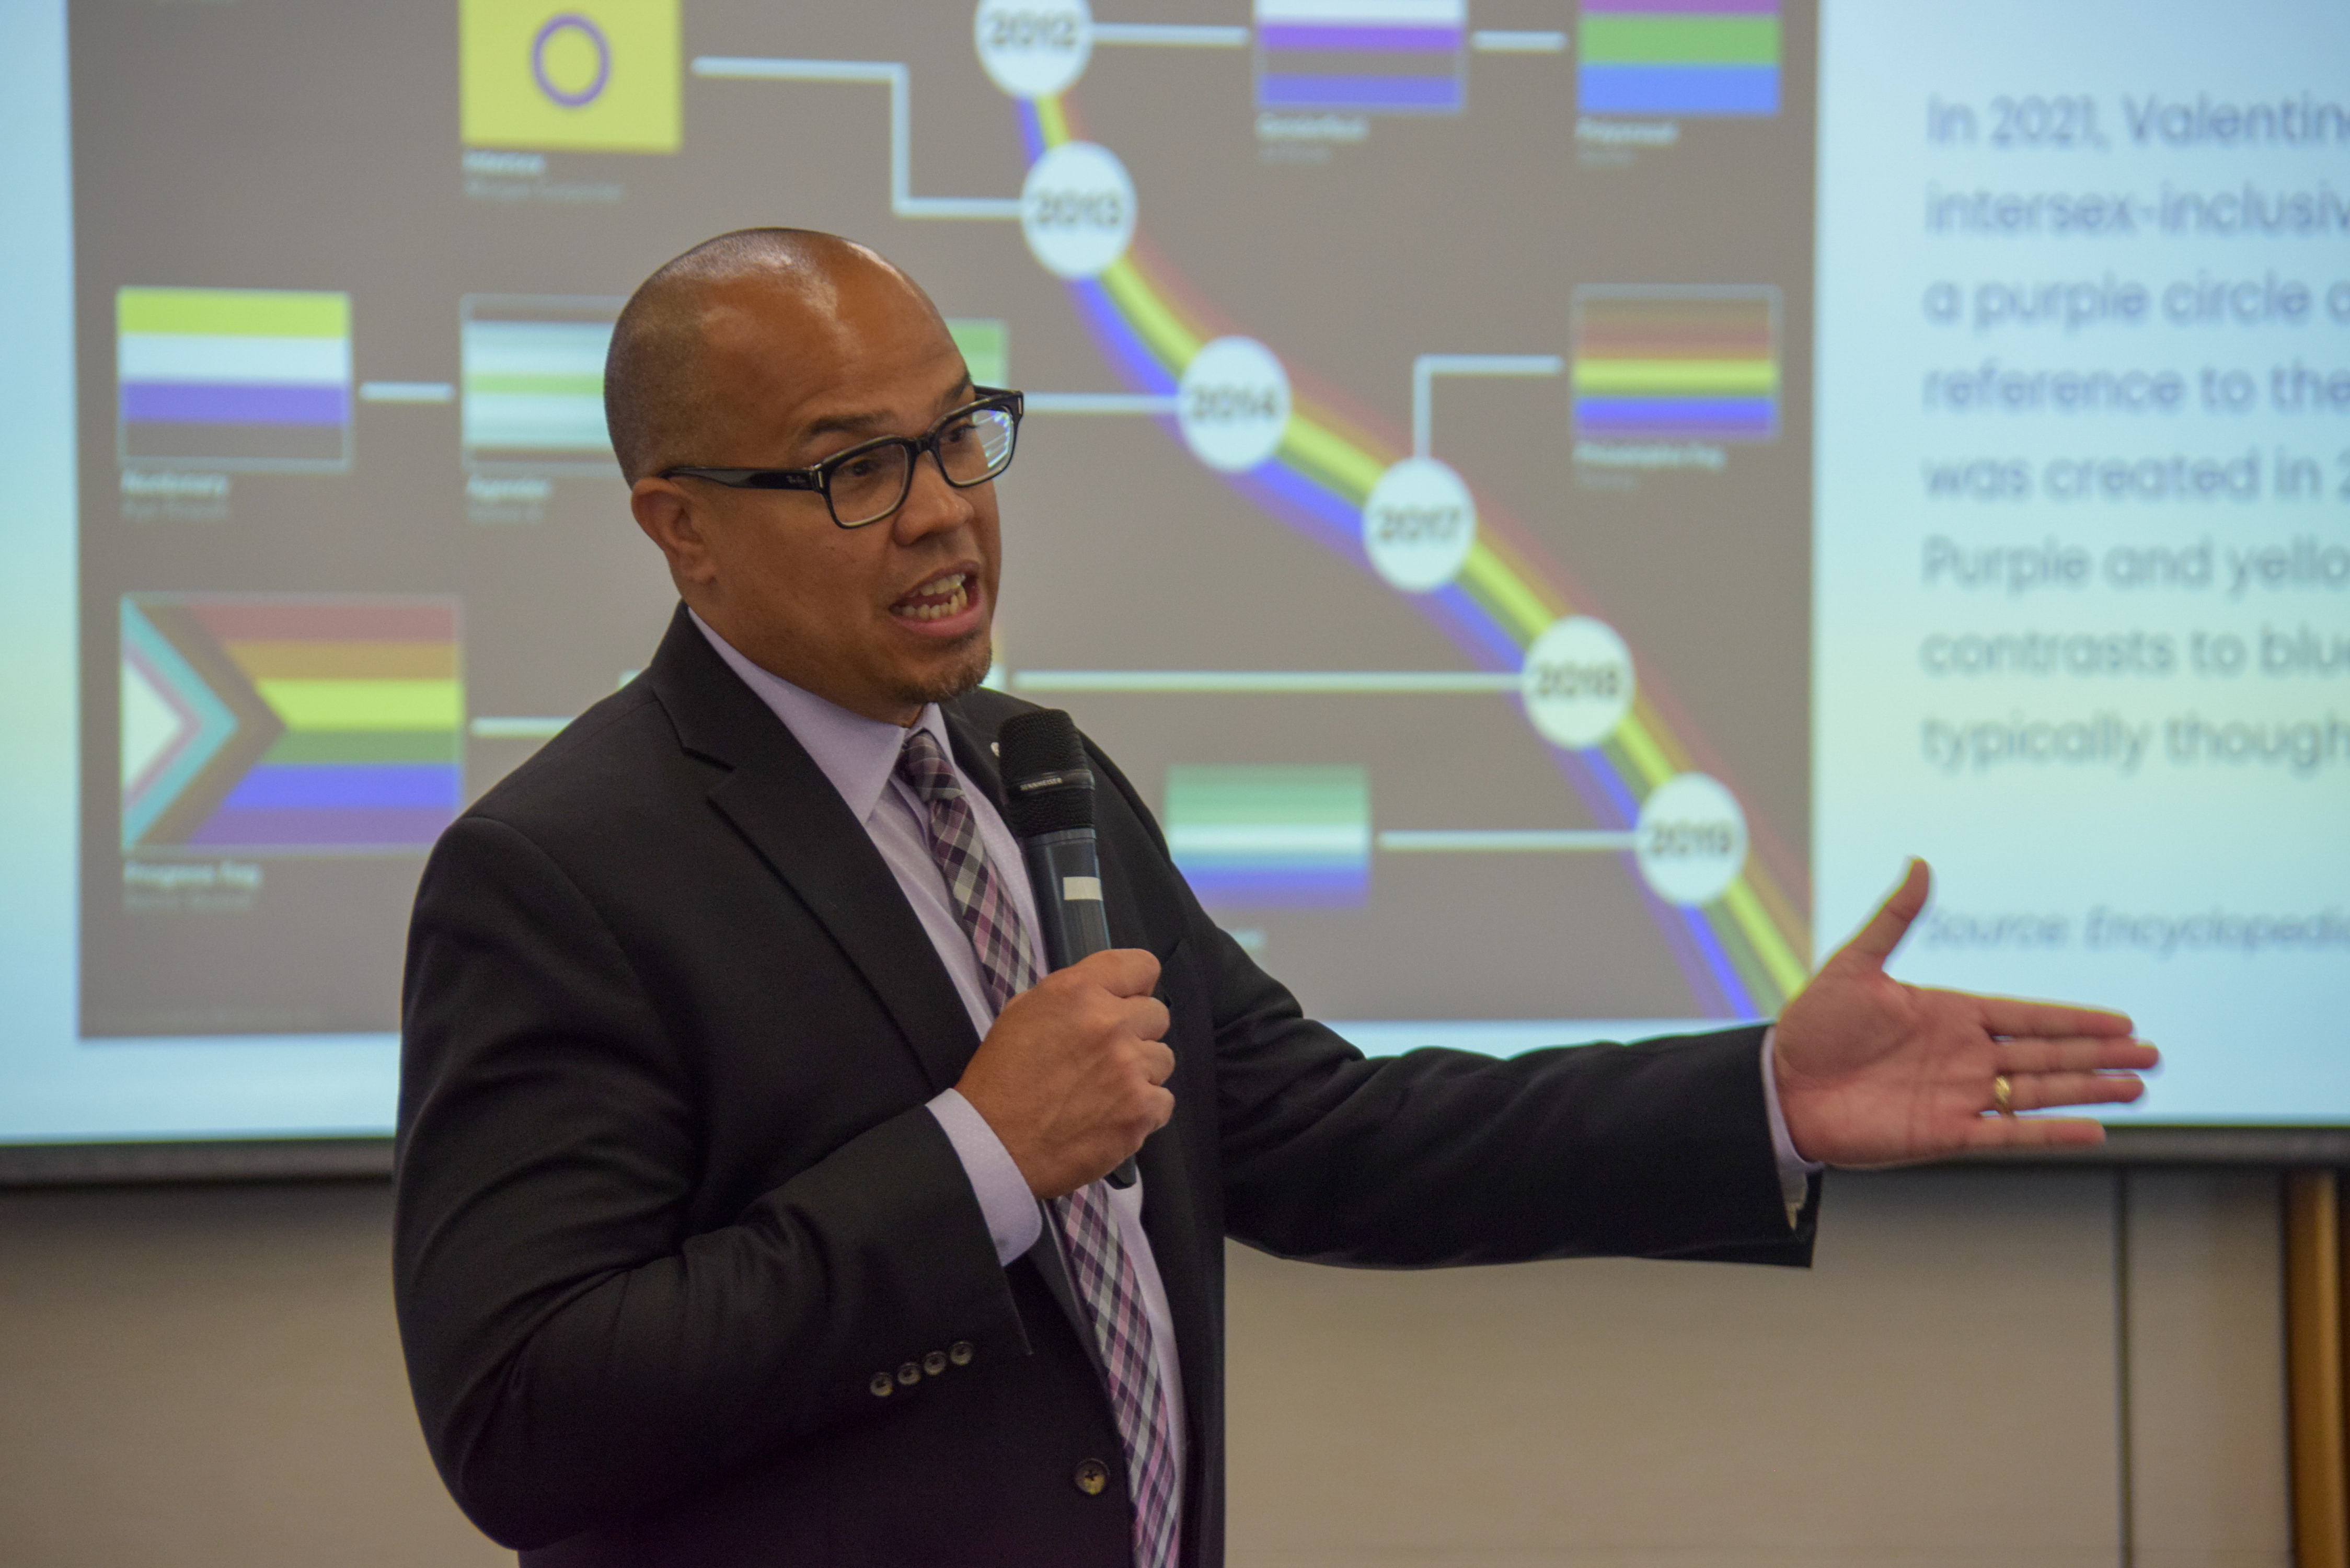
[1098,1262]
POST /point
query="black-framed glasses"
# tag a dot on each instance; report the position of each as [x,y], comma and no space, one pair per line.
[871,480]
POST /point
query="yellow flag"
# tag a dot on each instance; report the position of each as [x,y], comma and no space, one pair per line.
[590,75]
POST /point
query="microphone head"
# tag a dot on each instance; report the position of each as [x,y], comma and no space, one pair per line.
[1049,783]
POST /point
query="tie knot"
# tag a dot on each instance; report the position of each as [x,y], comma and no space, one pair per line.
[923,765]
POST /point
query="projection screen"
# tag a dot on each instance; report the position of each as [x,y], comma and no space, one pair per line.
[1551,504]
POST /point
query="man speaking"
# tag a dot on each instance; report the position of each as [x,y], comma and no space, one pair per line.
[750,1188]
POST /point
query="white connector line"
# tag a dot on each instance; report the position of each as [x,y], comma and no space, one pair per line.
[407,393]
[1182,682]
[1507,841]
[1272,682]
[1170,35]
[1101,403]
[531,727]
[1498,42]
[903,202]
[1428,367]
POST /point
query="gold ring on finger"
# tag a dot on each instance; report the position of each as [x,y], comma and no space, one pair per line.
[2002,1095]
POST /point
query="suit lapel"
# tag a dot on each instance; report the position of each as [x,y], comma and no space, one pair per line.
[975,753]
[782,803]
[1049,1261]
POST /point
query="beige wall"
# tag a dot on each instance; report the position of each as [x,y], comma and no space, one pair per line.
[208,1377]
[1939,1389]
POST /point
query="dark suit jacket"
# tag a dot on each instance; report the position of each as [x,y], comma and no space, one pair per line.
[671,1209]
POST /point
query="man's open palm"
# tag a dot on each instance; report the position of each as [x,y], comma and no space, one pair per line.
[1874,1072]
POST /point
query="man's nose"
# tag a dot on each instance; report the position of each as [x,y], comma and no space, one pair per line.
[932,505]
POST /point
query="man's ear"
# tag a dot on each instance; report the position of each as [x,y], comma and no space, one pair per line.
[668,515]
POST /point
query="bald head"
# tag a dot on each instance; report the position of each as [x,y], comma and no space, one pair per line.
[779,349]
[666,378]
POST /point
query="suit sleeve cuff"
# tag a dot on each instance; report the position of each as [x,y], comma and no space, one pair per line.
[1013,1220]
[1795,1172]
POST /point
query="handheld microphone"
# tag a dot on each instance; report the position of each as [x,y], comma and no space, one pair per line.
[1049,803]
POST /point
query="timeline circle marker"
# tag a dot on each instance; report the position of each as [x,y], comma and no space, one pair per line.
[1033,49]
[1076,209]
[1692,839]
[1418,525]
[1233,404]
[1577,682]
[568,23]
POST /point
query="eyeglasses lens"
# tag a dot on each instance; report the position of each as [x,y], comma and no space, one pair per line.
[972,448]
[869,485]
[976,448]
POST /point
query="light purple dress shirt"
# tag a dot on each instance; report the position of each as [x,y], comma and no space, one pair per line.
[859,755]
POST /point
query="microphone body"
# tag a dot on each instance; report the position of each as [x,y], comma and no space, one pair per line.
[1065,871]
[1049,803]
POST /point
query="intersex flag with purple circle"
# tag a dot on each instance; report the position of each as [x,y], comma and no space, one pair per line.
[577,75]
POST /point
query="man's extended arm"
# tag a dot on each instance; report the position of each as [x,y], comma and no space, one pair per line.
[1444,1156]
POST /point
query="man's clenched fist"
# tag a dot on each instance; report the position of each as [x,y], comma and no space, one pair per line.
[1070,1077]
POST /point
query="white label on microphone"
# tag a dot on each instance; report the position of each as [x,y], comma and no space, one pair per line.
[1075,887]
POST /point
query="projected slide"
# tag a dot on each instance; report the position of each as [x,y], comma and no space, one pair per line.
[2084,519]
[1429,493]
[1412,498]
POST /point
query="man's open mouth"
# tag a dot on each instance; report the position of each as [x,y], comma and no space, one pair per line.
[944,595]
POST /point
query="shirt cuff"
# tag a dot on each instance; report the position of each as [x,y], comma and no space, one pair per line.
[1795,1172]
[1013,1220]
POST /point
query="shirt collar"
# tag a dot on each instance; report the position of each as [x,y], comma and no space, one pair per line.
[858,755]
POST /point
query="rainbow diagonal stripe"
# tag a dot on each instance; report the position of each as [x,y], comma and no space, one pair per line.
[1693,57]
[1744,953]
[290,724]
[1675,364]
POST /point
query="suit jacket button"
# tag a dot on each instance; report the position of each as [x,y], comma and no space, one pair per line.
[960,1352]
[910,1375]
[882,1386]
[1092,1477]
[934,1363]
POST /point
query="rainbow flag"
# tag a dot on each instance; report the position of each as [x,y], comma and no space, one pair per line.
[1272,837]
[1362,57]
[289,724]
[1675,364]
[1698,57]
[234,377]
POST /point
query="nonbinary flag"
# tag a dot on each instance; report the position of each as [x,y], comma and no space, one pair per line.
[234,377]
